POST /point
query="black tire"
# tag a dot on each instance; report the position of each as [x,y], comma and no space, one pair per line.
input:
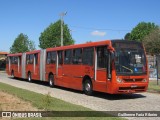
[12,74]
[51,80]
[88,87]
[29,77]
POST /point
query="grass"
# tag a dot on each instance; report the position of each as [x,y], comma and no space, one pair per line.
[153,87]
[46,102]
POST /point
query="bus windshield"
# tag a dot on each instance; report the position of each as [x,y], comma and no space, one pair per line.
[129,58]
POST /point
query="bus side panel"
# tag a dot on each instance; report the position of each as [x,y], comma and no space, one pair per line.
[50,68]
[100,84]
[88,71]
[72,76]
[66,80]
[77,75]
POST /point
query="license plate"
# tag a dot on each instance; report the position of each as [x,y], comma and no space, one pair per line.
[133,86]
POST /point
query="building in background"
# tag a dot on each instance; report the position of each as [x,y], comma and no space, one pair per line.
[3,56]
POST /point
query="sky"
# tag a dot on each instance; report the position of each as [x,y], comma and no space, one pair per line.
[88,20]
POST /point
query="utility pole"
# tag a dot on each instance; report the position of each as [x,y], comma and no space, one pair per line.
[62,15]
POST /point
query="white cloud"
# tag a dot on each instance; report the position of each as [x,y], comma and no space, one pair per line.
[98,33]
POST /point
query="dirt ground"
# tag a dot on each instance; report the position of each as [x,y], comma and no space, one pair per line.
[12,103]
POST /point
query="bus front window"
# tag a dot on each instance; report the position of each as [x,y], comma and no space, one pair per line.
[130,60]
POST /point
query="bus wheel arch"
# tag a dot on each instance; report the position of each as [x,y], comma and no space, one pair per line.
[29,76]
[51,79]
[87,85]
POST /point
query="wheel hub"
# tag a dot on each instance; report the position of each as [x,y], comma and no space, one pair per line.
[50,82]
[88,87]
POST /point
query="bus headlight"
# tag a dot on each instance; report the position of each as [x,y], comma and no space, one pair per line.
[119,80]
[144,80]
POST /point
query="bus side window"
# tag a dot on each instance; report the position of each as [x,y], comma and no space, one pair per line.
[15,60]
[48,57]
[102,57]
[67,56]
[31,59]
[53,57]
[77,56]
[36,58]
[27,59]
[12,60]
[19,60]
[60,57]
[88,56]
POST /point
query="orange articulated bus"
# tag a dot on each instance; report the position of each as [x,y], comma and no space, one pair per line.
[110,66]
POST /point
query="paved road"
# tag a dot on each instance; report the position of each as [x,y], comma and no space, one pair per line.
[100,101]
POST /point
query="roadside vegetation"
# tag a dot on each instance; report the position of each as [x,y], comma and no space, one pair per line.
[48,103]
[153,87]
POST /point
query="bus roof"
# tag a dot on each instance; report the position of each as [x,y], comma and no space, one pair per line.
[125,41]
[33,52]
[90,44]
[15,54]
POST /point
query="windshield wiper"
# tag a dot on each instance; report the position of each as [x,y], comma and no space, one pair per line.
[127,68]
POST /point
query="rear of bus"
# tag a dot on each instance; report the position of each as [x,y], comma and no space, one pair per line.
[13,65]
[129,70]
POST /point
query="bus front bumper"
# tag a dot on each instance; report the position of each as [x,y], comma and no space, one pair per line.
[130,88]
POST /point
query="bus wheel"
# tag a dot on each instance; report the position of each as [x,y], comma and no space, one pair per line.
[29,77]
[51,80]
[87,87]
[12,73]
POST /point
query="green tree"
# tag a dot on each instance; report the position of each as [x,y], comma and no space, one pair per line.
[22,44]
[152,42]
[141,30]
[51,36]
[126,37]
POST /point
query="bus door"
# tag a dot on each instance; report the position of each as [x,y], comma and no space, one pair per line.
[51,63]
[101,68]
[59,64]
[36,66]
[67,69]
[17,66]
[88,61]
[76,70]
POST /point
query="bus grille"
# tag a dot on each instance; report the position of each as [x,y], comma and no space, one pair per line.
[132,88]
[133,80]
